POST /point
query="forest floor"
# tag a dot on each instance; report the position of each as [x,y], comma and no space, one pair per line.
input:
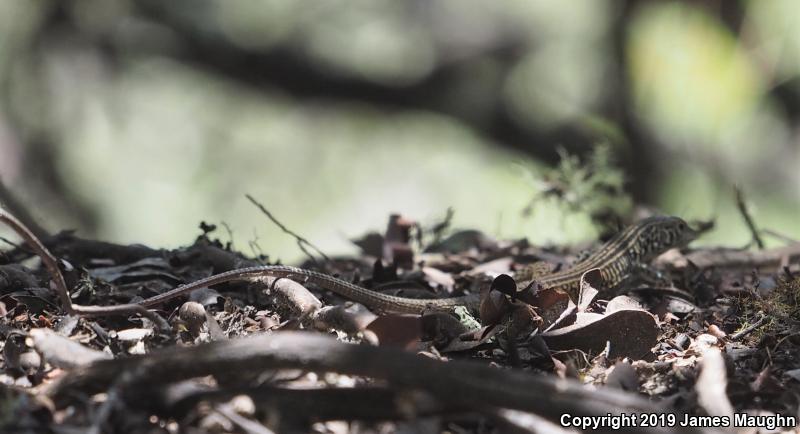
[714,341]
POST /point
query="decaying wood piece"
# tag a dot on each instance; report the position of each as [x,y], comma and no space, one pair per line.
[63,352]
[736,258]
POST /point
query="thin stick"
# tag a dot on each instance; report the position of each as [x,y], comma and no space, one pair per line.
[48,260]
[740,334]
[122,309]
[14,206]
[9,242]
[780,236]
[301,242]
[742,205]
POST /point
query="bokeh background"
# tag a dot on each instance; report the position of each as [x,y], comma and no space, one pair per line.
[132,121]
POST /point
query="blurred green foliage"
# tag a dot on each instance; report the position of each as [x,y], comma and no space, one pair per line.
[151,143]
[595,187]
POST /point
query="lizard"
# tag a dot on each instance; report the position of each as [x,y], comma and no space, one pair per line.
[633,247]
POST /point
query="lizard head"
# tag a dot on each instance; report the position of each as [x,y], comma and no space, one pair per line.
[663,233]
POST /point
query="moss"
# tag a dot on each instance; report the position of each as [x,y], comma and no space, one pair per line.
[781,308]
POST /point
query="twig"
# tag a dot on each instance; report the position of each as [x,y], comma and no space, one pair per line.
[14,206]
[439,229]
[48,260]
[9,242]
[780,236]
[742,205]
[247,425]
[230,233]
[254,246]
[122,309]
[301,242]
[742,333]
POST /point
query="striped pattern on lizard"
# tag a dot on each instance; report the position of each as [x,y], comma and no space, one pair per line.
[636,245]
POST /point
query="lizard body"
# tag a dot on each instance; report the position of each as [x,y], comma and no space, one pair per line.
[636,245]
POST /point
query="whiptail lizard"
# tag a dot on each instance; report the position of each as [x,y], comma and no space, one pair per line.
[616,259]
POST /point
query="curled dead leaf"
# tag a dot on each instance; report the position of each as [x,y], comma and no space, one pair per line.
[590,281]
[493,307]
[524,320]
[399,330]
[631,333]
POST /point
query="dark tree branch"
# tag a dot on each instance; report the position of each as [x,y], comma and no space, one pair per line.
[456,382]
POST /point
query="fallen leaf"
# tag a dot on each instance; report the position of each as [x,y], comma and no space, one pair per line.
[631,333]
[398,330]
[623,302]
[437,277]
[590,281]
[135,334]
[494,305]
